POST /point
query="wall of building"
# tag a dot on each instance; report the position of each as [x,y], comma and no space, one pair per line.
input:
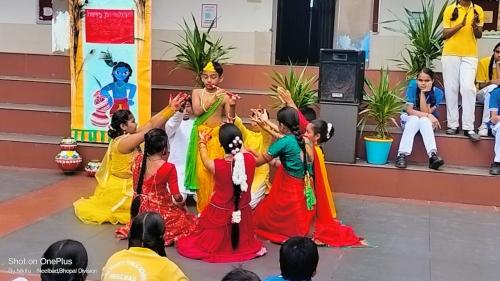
[244,24]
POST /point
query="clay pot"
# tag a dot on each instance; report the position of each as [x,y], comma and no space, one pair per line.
[68,159]
[92,167]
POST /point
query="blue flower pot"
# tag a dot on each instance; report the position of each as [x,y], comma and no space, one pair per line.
[377,150]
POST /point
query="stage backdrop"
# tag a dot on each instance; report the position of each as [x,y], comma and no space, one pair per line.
[110,53]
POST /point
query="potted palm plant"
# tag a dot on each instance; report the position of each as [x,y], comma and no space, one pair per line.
[197,48]
[381,104]
[301,87]
[424,33]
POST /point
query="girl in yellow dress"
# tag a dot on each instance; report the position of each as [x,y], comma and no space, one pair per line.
[113,194]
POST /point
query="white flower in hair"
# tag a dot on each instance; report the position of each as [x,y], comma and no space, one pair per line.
[239,173]
[329,129]
[236,217]
[230,145]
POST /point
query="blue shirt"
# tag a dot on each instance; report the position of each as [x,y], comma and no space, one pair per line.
[433,98]
[278,278]
[495,100]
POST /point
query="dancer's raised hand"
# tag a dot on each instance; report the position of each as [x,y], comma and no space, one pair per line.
[286,97]
[178,101]
[205,136]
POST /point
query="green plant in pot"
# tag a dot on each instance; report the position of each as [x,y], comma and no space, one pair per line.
[382,103]
[424,33]
[301,87]
[196,48]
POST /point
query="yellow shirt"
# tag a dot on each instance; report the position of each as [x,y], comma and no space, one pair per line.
[482,70]
[141,264]
[463,43]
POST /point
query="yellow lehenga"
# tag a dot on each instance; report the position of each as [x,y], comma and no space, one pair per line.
[113,194]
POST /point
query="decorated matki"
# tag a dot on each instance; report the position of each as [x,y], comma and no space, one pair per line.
[110,53]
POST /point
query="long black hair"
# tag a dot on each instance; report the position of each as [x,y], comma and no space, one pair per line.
[64,260]
[454,15]
[492,63]
[289,117]
[228,133]
[122,64]
[432,98]
[147,231]
[117,119]
[155,141]
[324,129]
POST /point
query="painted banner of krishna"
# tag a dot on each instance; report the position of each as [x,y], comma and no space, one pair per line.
[110,54]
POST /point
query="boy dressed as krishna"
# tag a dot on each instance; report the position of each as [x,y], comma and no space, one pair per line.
[211,105]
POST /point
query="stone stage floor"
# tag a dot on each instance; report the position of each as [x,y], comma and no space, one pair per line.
[413,240]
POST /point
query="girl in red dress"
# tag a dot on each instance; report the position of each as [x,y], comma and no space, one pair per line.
[298,202]
[225,230]
[157,190]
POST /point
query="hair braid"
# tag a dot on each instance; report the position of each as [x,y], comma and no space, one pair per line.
[136,202]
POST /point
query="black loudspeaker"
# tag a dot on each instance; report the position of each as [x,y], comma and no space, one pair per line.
[341,76]
[343,116]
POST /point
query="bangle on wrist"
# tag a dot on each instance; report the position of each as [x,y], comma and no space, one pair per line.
[168,111]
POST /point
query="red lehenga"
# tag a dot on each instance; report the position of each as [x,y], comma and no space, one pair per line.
[157,197]
[327,229]
[211,242]
[283,213]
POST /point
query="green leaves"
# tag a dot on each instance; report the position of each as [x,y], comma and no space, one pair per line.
[424,34]
[382,103]
[300,86]
[197,48]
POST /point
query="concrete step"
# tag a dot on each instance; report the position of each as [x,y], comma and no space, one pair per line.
[458,184]
[478,113]
[53,92]
[57,92]
[455,150]
[242,76]
[35,119]
[56,120]
[38,151]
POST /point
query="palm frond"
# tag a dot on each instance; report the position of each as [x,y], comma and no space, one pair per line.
[423,31]
[301,87]
[196,48]
[381,104]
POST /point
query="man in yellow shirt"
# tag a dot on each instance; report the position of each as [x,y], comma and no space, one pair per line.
[462,26]
[487,80]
